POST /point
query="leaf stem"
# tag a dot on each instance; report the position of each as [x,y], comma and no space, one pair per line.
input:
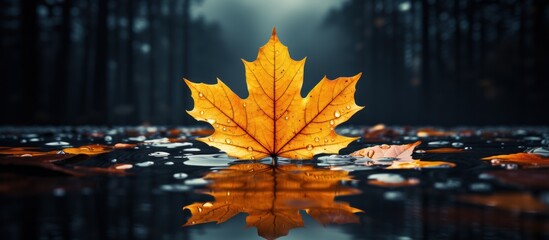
[275,160]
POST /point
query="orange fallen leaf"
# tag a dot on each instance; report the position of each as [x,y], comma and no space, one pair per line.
[515,202]
[415,164]
[431,132]
[272,196]
[26,151]
[50,160]
[124,145]
[523,159]
[89,149]
[406,183]
[402,152]
[275,120]
[378,131]
[444,150]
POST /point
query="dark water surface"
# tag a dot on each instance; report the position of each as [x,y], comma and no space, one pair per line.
[56,183]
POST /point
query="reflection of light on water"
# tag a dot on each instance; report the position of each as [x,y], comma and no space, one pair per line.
[274,198]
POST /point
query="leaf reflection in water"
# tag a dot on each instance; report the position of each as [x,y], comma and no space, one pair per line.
[273,196]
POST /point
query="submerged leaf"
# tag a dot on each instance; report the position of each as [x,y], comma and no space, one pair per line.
[275,119]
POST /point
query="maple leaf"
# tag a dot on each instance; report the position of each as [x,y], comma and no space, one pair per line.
[274,120]
[278,193]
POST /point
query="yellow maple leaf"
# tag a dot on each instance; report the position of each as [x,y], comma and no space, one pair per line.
[274,120]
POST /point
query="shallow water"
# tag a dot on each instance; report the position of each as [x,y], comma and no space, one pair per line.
[152,176]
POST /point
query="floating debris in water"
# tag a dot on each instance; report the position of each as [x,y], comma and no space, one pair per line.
[438,143]
[125,145]
[192,150]
[59,143]
[444,150]
[542,151]
[159,154]
[168,163]
[449,184]
[480,187]
[137,139]
[418,164]
[180,175]
[145,164]
[387,177]
[393,195]
[351,168]
[196,182]
[334,160]
[175,187]
[172,144]
[124,166]
[391,180]
[457,144]
[209,160]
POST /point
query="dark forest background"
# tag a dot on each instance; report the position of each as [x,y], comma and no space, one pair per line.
[444,62]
